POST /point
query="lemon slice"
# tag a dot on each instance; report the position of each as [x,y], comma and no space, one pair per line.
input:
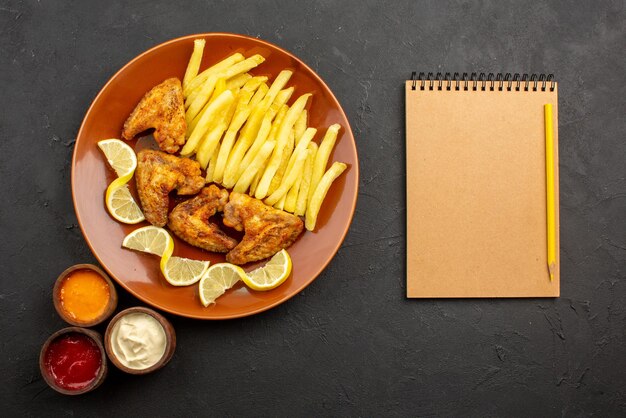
[121,204]
[150,239]
[180,271]
[217,280]
[120,156]
[272,274]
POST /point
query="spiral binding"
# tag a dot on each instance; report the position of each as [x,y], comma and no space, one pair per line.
[482,81]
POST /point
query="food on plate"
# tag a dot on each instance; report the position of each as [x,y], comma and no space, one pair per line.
[119,201]
[267,230]
[121,204]
[158,174]
[190,221]
[180,271]
[322,156]
[194,62]
[320,193]
[149,239]
[305,183]
[282,139]
[217,280]
[177,271]
[206,119]
[119,155]
[272,274]
[163,109]
[242,131]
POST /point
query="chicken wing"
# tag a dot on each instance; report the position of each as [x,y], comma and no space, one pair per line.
[190,221]
[157,175]
[161,108]
[267,230]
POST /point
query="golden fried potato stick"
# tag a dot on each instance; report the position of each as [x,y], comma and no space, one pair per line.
[215,109]
[305,185]
[194,62]
[320,194]
[292,194]
[323,153]
[203,97]
[289,179]
[211,167]
[284,162]
[245,146]
[272,136]
[252,126]
[282,138]
[280,205]
[304,142]
[210,143]
[257,164]
[274,110]
[238,81]
[217,88]
[240,117]
[204,75]
[300,125]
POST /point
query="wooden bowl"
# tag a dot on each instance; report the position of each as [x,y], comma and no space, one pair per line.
[56,296]
[97,338]
[170,336]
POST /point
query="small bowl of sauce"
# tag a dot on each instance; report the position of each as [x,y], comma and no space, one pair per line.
[84,295]
[139,340]
[73,361]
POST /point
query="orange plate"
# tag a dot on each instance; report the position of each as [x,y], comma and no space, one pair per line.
[139,273]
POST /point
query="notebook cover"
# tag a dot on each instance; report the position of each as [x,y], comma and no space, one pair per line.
[476,193]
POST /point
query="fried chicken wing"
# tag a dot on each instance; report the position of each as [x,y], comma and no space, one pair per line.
[267,230]
[190,221]
[157,175]
[161,108]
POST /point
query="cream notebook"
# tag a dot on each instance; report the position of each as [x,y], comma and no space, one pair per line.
[476,186]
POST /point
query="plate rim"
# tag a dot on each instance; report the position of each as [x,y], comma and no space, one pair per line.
[278,301]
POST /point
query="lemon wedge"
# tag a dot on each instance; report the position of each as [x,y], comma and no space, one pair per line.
[272,274]
[217,280]
[121,204]
[150,239]
[119,201]
[180,271]
[120,156]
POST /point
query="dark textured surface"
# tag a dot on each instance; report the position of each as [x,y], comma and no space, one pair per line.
[351,343]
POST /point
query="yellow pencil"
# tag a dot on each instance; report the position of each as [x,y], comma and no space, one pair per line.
[550,190]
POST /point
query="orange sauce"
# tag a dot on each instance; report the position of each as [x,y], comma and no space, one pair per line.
[84,295]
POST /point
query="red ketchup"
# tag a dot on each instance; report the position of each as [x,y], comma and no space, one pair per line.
[73,360]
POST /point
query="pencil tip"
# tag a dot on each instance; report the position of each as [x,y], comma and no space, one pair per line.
[551,270]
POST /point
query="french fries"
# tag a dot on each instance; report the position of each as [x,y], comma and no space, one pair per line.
[194,61]
[219,105]
[257,163]
[289,179]
[320,193]
[238,81]
[215,69]
[305,184]
[282,138]
[321,158]
[279,105]
[301,124]
[284,163]
[246,136]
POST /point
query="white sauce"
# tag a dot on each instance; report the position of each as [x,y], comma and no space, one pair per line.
[138,340]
